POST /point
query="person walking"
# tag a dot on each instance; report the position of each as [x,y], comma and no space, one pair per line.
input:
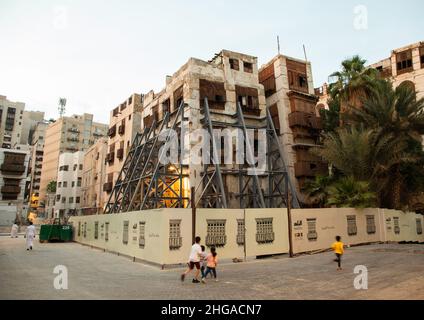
[14,231]
[194,261]
[339,251]
[30,235]
[212,260]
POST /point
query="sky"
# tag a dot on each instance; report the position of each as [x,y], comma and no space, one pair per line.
[96,53]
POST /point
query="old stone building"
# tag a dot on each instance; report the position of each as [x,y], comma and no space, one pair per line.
[291,98]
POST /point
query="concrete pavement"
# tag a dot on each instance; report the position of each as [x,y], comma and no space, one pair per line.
[395,272]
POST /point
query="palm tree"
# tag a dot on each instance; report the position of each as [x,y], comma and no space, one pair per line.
[353,83]
[350,193]
[317,189]
[366,155]
[394,113]
[331,117]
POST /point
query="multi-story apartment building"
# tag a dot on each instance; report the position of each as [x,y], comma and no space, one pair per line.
[13,175]
[67,134]
[36,163]
[69,184]
[125,122]
[93,177]
[11,120]
[291,99]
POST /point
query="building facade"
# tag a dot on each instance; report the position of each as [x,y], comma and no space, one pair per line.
[30,120]
[125,123]
[13,176]
[67,134]
[291,99]
[69,183]
[36,163]
[93,177]
[11,121]
[405,66]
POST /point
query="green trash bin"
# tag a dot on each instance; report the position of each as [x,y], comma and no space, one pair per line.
[66,232]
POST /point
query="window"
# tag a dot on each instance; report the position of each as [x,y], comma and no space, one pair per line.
[215,236]
[73,184]
[396,225]
[422,56]
[79,182]
[75,167]
[63,199]
[59,184]
[79,228]
[404,62]
[58,197]
[267,79]
[129,117]
[166,106]
[419,226]
[80,166]
[234,64]
[107,231]
[78,200]
[248,99]
[85,229]
[96,230]
[65,184]
[71,199]
[125,232]
[264,230]
[215,92]
[247,67]
[142,233]
[352,229]
[312,229]
[371,229]
[175,239]
[297,76]
[240,232]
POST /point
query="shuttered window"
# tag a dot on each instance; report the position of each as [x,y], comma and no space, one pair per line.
[240,232]
[142,235]
[371,229]
[419,227]
[396,225]
[125,232]
[352,229]
[264,230]
[107,231]
[216,236]
[312,229]
[96,230]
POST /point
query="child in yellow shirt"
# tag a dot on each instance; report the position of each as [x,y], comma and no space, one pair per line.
[338,250]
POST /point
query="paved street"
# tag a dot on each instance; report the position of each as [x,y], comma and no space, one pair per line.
[395,272]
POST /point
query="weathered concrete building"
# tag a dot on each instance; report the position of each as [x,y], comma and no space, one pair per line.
[291,98]
[405,66]
[236,103]
[125,123]
[13,175]
[93,176]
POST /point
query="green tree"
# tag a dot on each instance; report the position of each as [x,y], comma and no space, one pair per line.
[51,187]
[397,114]
[317,189]
[350,193]
[331,117]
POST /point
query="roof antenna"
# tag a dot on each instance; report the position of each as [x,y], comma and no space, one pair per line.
[278,43]
[304,52]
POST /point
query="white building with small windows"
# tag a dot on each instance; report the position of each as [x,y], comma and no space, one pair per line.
[69,182]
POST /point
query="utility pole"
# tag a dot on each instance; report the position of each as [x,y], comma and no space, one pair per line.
[193,214]
[289,221]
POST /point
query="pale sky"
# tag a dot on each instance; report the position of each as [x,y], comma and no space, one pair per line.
[96,53]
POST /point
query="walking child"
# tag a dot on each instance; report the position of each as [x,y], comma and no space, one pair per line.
[338,250]
[212,262]
[203,261]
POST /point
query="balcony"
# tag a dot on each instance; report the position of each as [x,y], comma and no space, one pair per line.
[107,187]
[175,243]
[251,111]
[73,139]
[74,130]
[11,190]
[309,169]
[121,130]
[12,169]
[112,132]
[305,120]
[120,153]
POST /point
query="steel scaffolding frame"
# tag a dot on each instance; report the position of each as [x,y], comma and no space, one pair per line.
[145,183]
